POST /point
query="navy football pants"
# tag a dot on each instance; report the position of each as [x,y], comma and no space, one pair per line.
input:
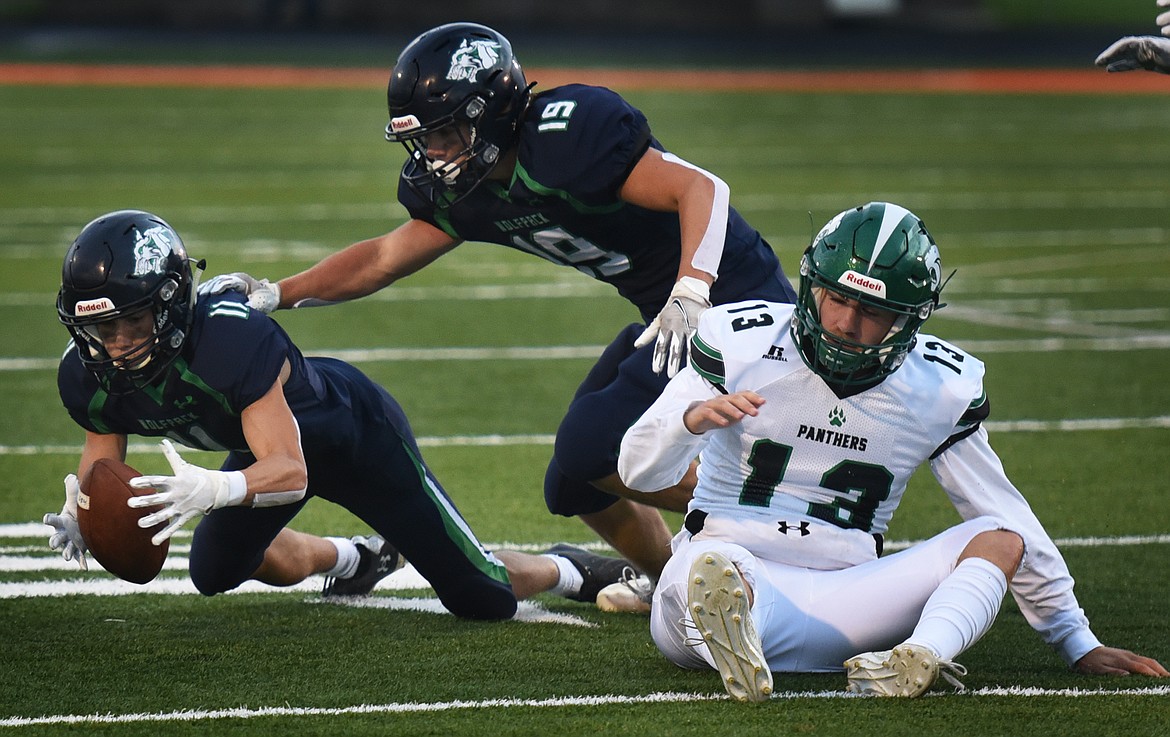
[615,393]
[362,455]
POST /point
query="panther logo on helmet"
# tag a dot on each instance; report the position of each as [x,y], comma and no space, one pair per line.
[934,267]
[471,58]
[830,226]
[151,249]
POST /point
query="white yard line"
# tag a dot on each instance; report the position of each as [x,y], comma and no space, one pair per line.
[1111,340]
[664,697]
[482,441]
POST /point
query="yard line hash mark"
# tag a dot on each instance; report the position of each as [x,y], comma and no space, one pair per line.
[573,701]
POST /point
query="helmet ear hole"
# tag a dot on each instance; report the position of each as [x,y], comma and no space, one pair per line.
[474,108]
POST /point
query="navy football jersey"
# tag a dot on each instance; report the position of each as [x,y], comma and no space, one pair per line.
[232,358]
[577,146]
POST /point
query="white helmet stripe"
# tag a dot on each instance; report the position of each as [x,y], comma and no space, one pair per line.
[891,216]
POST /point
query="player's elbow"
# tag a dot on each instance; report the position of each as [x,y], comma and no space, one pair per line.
[290,485]
[299,482]
[278,498]
[639,475]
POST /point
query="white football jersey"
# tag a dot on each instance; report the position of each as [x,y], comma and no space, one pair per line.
[839,465]
[812,455]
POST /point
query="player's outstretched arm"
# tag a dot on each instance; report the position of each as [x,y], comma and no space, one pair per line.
[1112,661]
[665,183]
[366,266]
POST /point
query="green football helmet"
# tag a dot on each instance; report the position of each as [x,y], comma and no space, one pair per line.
[881,255]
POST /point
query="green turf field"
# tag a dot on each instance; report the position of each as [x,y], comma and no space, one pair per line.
[1054,209]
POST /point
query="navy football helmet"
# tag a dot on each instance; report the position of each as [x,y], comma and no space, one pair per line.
[122,263]
[881,255]
[458,79]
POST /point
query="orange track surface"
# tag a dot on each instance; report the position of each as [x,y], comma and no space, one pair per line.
[1010,81]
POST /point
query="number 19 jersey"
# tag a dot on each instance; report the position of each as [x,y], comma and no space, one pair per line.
[577,145]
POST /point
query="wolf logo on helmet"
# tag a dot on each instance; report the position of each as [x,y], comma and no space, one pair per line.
[151,249]
[471,58]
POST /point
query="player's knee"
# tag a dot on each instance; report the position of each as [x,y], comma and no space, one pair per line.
[210,576]
[1004,548]
[585,449]
[208,584]
[483,603]
[570,498]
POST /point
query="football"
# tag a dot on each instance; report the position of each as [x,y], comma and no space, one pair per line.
[110,528]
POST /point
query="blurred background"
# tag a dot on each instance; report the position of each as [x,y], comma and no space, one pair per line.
[590,32]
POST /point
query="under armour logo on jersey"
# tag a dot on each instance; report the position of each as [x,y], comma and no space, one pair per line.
[184,402]
[837,417]
[775,353]
[784,527]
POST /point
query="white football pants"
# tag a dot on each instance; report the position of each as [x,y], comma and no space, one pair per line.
[811,621]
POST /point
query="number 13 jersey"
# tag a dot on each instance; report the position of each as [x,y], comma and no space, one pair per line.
[810,454]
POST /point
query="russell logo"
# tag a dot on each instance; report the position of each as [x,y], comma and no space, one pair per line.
[863,283]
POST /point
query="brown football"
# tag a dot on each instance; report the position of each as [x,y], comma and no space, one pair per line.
[110,528]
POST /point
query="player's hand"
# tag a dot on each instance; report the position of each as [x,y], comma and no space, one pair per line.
[1112,661]
[1138,52]
[190,493]
[262,294]
[722,411]
[66,535]
[675,325]
[235,282]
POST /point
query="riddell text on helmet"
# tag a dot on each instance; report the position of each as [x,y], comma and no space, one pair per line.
[93,306]
[876,287]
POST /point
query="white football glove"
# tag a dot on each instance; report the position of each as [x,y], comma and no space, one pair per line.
[192,492]
[675,325]
[1138,52]
[66,535]
[263,295]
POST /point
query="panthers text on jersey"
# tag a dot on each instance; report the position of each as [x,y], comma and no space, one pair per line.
[840,465]
[810,454]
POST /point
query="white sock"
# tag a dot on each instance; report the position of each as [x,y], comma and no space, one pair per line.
[347,558]
[961,609]
[570,580]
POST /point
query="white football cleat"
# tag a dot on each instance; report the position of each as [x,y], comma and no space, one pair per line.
[632,594]
[907,671]
[718,603]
